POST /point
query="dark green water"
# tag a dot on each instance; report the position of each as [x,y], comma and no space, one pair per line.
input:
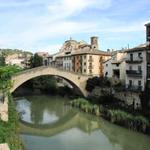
[48,124]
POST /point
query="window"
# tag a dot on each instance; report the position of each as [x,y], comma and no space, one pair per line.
[131,57]
[85,64]
[106,74]
[130,67]
[90,71]
[139,83]
[140,55]
[117,65]
[84,70]
[106,65]
[130,83]
[85,57]
[139,68]
[90,57]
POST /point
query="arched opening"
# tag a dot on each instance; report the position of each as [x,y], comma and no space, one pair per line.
[36,85]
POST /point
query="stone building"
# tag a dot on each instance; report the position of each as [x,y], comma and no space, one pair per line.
[20,59]
[136,68]
[114,68]
[81,57]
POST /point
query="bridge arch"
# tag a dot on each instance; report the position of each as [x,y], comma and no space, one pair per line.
[77,79]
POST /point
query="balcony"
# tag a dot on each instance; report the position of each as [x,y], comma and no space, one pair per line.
[91,60]
[135,60]
[135,88]
[90,67]
[134,73]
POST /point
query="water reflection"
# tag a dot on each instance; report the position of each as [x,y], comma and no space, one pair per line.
[72,130]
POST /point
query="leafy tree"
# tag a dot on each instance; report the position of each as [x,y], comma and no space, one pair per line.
[5,75]
[2,58]
[44,83]
[97,82]
[36,61]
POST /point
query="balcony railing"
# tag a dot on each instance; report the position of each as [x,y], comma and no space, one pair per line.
[135,88]
[134,73]
[91,60]
[135,60]
[90,67]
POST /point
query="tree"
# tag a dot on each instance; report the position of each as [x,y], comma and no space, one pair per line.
[97,81]
[2,59]
[5,77]
[36,61]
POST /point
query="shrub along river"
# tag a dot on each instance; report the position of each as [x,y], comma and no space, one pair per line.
[46,123]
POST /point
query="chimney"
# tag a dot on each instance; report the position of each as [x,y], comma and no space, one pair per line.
[94,42]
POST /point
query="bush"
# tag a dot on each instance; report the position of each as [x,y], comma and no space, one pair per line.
[9,130]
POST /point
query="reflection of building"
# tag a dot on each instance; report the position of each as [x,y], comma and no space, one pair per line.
[19,59]
[80,57]
[148,52]
[115,66]
[136,68]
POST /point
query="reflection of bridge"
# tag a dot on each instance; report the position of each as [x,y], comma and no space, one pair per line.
[78,80]
[71,120]
[117,136]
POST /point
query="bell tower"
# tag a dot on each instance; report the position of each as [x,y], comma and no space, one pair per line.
[94,42]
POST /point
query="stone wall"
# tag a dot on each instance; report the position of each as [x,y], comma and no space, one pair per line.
[129,98]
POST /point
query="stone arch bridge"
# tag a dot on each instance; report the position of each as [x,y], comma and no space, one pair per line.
[75,79]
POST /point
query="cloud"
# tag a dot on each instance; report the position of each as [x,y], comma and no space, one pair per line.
[36,24]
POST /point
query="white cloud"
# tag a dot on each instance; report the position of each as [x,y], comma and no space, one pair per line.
[28,30]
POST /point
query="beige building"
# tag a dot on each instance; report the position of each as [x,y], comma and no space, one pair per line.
[81,57]
[20,59]
[114,67]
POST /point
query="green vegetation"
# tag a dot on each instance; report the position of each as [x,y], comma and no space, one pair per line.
[85,106]
[7,52]
[5,75]
[117,116]
[36,61]
[97,82]
[2,60]
[9,131]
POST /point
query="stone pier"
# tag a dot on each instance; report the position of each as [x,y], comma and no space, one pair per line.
[4,147]
[4,110]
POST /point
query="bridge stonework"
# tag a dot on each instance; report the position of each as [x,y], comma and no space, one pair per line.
[77,79]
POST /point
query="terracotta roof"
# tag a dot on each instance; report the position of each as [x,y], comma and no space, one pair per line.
[94,52]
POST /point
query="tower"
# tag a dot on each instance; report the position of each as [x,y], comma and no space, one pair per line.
[94,42]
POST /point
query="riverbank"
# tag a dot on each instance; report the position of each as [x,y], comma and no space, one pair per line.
[9,131]
[117,116]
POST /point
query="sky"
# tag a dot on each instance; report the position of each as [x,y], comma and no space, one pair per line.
[44,25]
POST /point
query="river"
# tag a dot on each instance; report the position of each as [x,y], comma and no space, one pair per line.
[46,123]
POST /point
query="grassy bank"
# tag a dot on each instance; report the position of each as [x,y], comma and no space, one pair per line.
[9,131]
[117,116]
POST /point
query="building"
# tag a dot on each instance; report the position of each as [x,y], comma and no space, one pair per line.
[114,68]
[81,57]
[148,53]
[45,56]
[20,59]
[136,68]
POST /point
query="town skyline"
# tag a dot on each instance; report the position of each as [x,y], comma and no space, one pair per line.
[44,26]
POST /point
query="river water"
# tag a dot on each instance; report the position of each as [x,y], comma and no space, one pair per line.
[46,123]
